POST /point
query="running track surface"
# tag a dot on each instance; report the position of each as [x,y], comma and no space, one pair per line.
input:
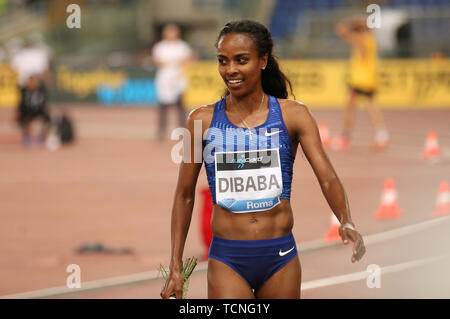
[116,186]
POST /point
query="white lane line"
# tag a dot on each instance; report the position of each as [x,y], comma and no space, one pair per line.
[95,284]
[336,280]
[379,237]
[126,280]
[202,266]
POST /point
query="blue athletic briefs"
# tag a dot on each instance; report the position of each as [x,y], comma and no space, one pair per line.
[255,260]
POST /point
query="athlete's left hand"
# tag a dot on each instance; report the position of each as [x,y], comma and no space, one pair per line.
[348,234]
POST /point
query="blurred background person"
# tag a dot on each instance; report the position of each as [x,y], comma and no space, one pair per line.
[363,81]
[33,106]
[170,55]
[31,63]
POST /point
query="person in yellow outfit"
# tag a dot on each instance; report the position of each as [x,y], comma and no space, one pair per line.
[362,81]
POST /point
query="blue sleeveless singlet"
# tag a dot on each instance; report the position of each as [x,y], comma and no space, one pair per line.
[248,170]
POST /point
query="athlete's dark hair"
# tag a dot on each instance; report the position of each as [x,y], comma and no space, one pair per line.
[274,82]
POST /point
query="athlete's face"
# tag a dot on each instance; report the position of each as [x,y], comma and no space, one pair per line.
[239,63]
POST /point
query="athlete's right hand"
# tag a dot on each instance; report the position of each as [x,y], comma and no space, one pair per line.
[173,285]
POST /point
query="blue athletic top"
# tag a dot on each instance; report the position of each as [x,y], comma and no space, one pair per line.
[248,170]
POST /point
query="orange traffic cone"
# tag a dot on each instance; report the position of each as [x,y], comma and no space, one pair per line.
[333,231]
[388,207]
[324,132]
[432,151]
[442,200]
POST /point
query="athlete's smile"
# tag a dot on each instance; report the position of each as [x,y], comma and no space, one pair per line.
[234,83]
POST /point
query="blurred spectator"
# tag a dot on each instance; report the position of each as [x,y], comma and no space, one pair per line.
[31,63]
[33,106]
[169,56]
[363,81]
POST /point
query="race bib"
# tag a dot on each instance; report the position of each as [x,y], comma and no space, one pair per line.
[248,181]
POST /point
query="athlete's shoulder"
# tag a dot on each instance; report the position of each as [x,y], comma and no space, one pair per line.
[202,113]
[293,107]
[296,115]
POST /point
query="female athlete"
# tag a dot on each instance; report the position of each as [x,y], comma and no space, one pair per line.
[250,138]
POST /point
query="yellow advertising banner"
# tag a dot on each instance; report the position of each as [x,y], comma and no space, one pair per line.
[402,84]
[85,82]
[205,84]
[323,83]
[9,92]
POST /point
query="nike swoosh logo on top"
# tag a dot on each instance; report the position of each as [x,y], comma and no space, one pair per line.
[282,253]
[271,133]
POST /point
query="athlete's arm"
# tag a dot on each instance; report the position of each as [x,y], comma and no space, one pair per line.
[182,211]
[344,31]
[307,134]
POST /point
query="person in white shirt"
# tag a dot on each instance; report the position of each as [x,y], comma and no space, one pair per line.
[31,60]
[169,55]
[31,64]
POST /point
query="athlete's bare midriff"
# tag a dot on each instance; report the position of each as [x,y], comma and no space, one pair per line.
[273,223]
